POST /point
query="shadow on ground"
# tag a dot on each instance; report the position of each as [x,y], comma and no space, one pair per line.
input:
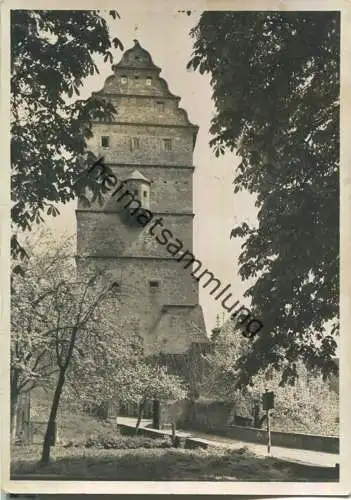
[164,465]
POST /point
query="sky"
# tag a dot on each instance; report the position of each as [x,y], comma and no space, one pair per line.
[164,32]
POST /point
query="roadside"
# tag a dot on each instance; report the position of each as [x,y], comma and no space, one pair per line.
[290,454]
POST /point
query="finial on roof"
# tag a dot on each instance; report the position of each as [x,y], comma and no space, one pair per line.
[136,43]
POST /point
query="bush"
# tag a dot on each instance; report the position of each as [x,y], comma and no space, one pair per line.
[126,442]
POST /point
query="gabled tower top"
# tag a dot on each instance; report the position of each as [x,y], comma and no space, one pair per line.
[136,58]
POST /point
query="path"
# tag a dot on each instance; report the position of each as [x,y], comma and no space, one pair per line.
[292,454]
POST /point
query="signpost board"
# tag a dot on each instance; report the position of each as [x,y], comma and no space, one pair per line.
[268,400]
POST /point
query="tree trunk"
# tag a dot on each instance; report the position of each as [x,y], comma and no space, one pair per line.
[14,407]
[50,429]
[13,402]
[140,415]
[156,414]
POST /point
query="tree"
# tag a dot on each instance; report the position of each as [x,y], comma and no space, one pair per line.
[31,343]
[119,373]
[222,373]
[152,382]
[52,52]
[309,405]
[305,404]
[56,319]
[275,81]
[75,316]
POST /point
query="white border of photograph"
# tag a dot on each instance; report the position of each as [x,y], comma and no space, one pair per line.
[164,7]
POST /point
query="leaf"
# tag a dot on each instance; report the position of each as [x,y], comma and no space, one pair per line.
[117,44]
[275,79]
[114,14]
[18,269]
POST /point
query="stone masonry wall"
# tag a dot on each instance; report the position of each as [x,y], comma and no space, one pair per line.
[151,144]
[106,235]
[170,188]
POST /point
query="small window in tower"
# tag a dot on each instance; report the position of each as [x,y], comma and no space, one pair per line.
[148,80]
[160,106]
[105,141]
[134,143]
[123,79]
[136,77]
[167,144]
[145,194]
[154,284]
[116,287]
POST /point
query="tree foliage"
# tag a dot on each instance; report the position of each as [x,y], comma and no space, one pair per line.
[52,53]
[54,316]
[309,405]
[117,370]
[306,404]
[275,81]
[33,290]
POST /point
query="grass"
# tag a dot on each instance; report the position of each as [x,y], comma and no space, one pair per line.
[73,427]
[213,464]
[77,462]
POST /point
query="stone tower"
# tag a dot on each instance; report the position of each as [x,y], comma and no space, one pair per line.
[149,145]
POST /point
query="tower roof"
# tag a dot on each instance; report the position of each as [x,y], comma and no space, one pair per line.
[136,58]
[136,75]
[136,176]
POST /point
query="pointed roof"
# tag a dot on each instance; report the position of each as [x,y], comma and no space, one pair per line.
[137,176]
[136,58]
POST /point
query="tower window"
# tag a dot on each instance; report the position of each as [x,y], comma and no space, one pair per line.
[160,105]
[148,80]
[105,141]
[116,287]
[134,143]
[145,194]
[136,77]
[123,79]
[167,144]
[154,284]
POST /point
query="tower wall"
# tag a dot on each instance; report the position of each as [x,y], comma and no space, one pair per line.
[150,140]
[150,150]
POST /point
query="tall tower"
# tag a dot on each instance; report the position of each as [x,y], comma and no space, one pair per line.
[149,145]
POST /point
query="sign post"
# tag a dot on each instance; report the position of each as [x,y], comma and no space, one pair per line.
[268,404]
[268,434]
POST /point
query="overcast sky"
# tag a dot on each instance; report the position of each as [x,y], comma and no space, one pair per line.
[165,34]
